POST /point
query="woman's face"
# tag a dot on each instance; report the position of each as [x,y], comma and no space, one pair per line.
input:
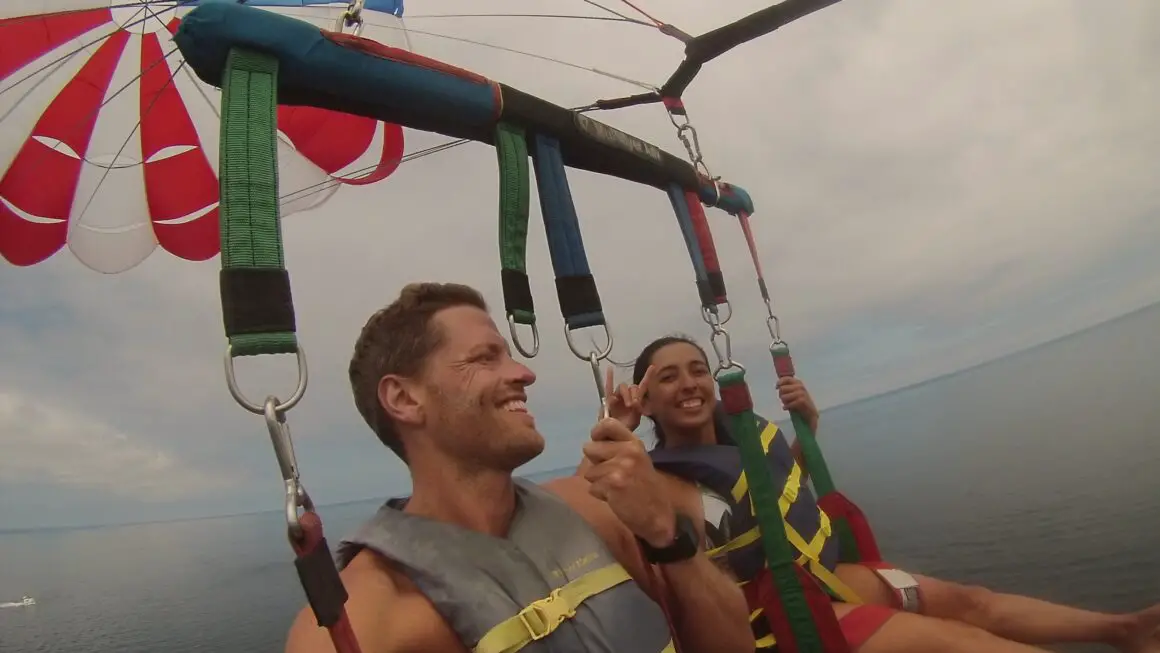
[682,394]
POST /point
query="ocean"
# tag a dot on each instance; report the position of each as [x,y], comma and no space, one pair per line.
[1033,474]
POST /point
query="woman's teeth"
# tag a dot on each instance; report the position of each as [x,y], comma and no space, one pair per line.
[692,403]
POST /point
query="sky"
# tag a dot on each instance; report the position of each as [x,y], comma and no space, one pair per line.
[937,184]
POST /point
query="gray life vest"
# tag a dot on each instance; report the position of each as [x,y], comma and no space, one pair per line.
[550,586]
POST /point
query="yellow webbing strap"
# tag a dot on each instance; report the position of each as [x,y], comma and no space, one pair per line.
[789,494]
[766,642]
[543,616]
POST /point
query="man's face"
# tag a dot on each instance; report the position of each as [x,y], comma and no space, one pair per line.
[476,404]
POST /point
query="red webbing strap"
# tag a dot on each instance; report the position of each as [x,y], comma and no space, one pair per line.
[747,228]
[322,584]
[837,505]
[707,247]
[662,599]
[674,105]
[760,593]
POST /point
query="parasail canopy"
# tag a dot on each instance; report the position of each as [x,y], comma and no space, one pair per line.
[109,143]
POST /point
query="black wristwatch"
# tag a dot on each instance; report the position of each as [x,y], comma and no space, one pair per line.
[683,546]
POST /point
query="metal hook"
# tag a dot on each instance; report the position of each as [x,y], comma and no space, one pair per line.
[351,17]
[594,361]
[296,495]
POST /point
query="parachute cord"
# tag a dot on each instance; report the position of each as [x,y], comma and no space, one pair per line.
[611,11]
[642,12]
[59,61]
[618,19]
[482,44]
[324,186]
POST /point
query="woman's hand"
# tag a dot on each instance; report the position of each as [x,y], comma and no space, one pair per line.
[624,401]
[795,398]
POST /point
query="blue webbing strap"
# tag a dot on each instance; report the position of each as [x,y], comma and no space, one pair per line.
[575,286]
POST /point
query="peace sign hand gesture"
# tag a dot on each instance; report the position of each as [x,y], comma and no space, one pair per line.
[624,401]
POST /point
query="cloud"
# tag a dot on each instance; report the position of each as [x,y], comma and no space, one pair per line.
[936,183]
[50,444]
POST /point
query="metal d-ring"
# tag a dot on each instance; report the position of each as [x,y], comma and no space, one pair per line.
[236,392]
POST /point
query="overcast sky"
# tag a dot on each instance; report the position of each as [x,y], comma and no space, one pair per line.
[937,184]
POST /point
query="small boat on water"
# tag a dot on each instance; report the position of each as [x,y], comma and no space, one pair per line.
[24,601]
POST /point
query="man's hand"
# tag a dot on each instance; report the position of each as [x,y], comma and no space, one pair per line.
[795,397]
[622,475]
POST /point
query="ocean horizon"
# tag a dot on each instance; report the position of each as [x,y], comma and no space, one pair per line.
[540,476]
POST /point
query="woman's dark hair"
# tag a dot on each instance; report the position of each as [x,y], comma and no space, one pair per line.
[720,423]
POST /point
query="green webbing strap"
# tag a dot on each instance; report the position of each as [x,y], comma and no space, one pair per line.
[824,484]
[815,461]
[514,201]
[764,496]
[256,302]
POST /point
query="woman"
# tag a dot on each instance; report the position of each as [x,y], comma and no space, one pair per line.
[673,386]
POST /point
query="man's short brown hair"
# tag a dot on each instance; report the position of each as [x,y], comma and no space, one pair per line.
[397,340]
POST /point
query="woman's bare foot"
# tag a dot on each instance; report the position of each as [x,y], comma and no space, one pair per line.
[1145,635]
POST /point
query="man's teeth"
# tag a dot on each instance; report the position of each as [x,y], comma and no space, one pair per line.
[692,403]
[516,406]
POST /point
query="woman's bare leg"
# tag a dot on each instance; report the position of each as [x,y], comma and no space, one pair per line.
[914,633]
[1013,617]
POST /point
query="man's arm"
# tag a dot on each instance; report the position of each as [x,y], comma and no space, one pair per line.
[708,608]
[384,619]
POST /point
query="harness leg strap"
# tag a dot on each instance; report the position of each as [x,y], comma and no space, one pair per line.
[904,587]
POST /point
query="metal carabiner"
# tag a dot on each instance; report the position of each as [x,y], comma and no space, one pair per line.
[236,392]
[774,326]
[711,317]
[687,134]
[296,496]
[351,17]
[516,337]
[724,352]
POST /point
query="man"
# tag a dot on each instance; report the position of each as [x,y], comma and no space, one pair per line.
[478,561]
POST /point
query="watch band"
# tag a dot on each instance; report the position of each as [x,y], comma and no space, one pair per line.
[683,547]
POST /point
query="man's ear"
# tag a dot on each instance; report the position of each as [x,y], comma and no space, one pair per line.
[401,399]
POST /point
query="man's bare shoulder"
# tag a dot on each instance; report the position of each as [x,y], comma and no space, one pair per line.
[387,613]
[568,488]
[573,490]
